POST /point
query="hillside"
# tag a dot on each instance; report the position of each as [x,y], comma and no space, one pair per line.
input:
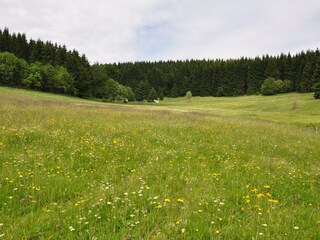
[204,168]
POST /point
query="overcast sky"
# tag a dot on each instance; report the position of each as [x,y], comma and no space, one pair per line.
[147,30]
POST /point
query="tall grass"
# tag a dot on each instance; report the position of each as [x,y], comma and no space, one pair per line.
[99,171]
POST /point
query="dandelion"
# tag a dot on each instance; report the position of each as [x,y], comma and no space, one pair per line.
[167,200]
[183,230]
[266,186]
[217,231]
[180,200]
[255,190]
[159,206]
[259,195]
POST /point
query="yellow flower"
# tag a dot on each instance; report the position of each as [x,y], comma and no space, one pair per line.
[266,186]
[255,190]
[167,200]
[183,230]
[273,201]
[217,231]
[159,206]
[180,200]
[247,200]
[259,195]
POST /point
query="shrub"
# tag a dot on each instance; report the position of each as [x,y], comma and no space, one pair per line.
[189,94]
[286,86]
[316,89]
[270,86]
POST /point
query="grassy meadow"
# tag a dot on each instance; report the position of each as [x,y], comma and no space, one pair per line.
[204,168]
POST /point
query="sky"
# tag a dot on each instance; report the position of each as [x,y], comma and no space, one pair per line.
[109,31]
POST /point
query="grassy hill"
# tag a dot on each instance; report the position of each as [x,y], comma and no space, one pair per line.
[204,168]
[292,108]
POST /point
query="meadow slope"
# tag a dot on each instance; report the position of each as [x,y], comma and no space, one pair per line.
[205,168]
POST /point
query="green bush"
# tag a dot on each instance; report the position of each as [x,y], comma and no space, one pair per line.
[316,89]
[271,86]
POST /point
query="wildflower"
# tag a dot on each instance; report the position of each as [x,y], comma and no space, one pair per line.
[273,201]
[217,231]
[71,228]
[180,200]
[159,206]
[247,200]
[259,195]
[264,224]
[266,186]
[247,186]
[167,200]
[296,228]
[183,230]
[255,190]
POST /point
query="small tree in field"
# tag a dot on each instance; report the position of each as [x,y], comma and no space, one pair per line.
[189,95]
[316,89]
[152,95]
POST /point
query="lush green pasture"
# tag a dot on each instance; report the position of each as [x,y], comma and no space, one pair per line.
[292,108]
[74,169]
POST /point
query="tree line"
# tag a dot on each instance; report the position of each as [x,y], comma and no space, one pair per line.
[51,67]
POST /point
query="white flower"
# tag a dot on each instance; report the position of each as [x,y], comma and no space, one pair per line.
[71,228]
[296,228]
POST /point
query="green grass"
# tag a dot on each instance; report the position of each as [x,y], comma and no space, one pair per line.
[292,108]
[244,168]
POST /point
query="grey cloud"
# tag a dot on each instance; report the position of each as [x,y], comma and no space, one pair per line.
[126,30]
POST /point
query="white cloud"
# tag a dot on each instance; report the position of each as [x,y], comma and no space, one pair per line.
[126,30]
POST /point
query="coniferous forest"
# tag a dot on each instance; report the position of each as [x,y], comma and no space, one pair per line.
[50,67]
